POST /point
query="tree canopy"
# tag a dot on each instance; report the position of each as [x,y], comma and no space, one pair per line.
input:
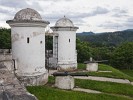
[5,38]
[83,51]
[122,57]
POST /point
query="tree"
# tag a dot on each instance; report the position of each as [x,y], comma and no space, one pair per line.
[100,53]
[83,51]
[122,57]
[5,38]
[49,42]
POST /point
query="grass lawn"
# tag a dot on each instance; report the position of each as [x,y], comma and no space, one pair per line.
[114,74]
[107,87]
[111,91]
[128,72]
[81,66]
[49,93]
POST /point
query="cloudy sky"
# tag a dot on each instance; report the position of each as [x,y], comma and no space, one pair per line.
[88,15]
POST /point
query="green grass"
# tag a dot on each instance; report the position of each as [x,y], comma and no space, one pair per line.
[51,80]
[107,87]
[111,91]
[81,66]
[104,67]
[49,93]
[114,74]
[128,72]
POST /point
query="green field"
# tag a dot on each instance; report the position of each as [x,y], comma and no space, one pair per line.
[107,87]
[49,93]
[114,74]
[110,90]
[128,72]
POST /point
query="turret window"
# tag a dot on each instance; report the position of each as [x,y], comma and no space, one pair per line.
[28,39]
[69,40]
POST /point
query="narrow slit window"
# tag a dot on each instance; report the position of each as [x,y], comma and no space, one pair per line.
[28,39]
[69,40]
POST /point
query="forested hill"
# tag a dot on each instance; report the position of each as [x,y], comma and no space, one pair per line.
[86,33]
[108,38]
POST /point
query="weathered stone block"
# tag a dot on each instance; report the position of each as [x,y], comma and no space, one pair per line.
[10,87]
[9,65]
[92,67]
[12,96]
[6,95]
[1,96]
[34,80]
[64,82]
[67,67]
[5,57]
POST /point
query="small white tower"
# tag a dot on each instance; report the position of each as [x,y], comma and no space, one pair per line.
[28,46]
[64,45]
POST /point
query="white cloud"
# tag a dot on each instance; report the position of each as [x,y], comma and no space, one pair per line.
[89,15]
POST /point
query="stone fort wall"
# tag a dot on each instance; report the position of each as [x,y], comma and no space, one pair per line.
[5,54]
[6,59]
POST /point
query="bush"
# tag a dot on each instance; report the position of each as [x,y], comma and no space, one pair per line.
[122,56]
[83,51]
[5,38]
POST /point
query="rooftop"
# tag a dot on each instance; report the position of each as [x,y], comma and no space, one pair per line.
[64,22]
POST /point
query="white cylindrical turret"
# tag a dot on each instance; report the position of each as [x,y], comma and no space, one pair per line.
[64,45]
[28,46]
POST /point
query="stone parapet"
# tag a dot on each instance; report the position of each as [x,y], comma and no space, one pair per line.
[5,54]
[10,88]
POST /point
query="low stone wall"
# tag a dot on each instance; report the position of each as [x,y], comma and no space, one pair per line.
[9,64]
[5,57]
[10,88]
[5,54]
[5,51]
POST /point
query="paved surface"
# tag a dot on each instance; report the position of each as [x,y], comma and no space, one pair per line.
[10,88]
[104,79]
[86,90]
[105,71]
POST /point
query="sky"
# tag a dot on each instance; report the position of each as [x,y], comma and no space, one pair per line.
[89,15]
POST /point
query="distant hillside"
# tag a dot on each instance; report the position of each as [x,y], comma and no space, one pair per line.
[85,33]
[108,38]
[129,30]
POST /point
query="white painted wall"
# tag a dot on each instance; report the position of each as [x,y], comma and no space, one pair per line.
[30,57]
[66,50]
